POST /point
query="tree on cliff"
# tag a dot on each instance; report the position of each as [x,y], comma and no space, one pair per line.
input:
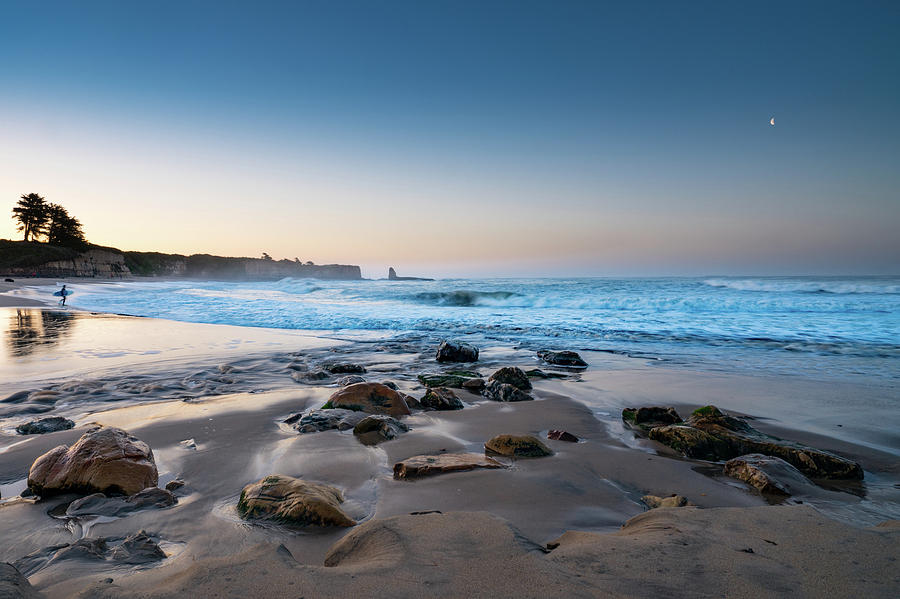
[31,213]
[62,228]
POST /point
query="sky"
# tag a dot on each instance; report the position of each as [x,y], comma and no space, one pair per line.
[466,138]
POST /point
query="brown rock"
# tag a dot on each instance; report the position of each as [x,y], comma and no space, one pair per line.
[518,446]
[372,398]
[428,465]
[441,398]
[473,385]
[104,460]
[290,500]
[767,474]
[650,417]
[15,586]
[653,501]
[377,428]
[562,436]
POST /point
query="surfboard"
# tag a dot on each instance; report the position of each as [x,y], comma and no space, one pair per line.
[60,293]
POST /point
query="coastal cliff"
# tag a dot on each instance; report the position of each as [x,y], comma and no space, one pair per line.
[18,258]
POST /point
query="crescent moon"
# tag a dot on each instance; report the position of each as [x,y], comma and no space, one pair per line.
[772,121]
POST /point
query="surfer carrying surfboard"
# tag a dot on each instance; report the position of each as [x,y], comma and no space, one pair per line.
[63,292]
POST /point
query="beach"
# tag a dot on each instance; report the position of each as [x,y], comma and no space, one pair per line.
[211,401]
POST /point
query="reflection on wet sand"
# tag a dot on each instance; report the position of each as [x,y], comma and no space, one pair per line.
[29,330]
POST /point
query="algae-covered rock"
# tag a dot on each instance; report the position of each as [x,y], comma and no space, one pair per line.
[517,446]
[291,500]
[441,398]
[512,375]
[372,398]
[647,418]
[767,474]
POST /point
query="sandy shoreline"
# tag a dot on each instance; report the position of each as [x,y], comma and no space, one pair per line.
[491,520]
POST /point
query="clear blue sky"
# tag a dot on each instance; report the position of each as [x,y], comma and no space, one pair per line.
[466,137]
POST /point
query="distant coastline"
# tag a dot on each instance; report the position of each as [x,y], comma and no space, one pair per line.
[30,259]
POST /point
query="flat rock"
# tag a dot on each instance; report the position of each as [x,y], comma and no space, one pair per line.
[512,375]
[537,373]
[429,465]
[135,549]
[711,435]
[562,358]
[291,500]
[45,425]
[647,418]
[377,428]
[517,446]
[139,548]
[556,435]
[324,420]
[455,381]
[769,475]
[441,398]
[105,460]
[99,504]
[351,379]
[474,385]
[654,501]
[372,398]
[497,391]
[313,376]
[344,368]
[15,586]
[455,351]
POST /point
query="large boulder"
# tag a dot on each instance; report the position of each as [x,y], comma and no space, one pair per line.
[45,425]
[767,474]
[512,376]
[517,446]
[441,398]
[562,358]
[104,460]
[497,391]
[711,435]
[372,398]
[455,351]
[291,500]
[316,421]
[377,428]
[15,586]
[647,418]
[429,465]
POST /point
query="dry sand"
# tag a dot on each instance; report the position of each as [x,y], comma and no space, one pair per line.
[492,535]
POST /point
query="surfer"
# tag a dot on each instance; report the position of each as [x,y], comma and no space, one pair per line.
[63,293]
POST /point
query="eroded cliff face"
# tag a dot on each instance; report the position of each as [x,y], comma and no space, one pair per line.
[93,263]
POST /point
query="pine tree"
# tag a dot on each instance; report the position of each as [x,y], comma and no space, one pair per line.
[31,211]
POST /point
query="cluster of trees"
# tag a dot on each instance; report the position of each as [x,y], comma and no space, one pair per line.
[38,218]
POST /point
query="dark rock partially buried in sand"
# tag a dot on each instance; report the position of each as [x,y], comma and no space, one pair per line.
[350,379]
[711,435]
[344,368]
[136,549]
[324,420]
[291,500]
[497,391]
[456,351]
[517,446]
[537,373]
[555,435]
[650,417]
[372,398]
[429,465]
[104,460]
[99,504]
[377,428]
[441,398]
[769,475]
[512,376]
[474,385]
[310,377]
[562,358]
[45,425]
[15,586]
[654,501]
[456,379]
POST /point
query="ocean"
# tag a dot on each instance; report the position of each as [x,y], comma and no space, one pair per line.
[821,327]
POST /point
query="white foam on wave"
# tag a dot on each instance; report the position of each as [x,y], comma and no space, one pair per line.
[807,286]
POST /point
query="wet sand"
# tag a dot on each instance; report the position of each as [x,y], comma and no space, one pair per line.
[491,537]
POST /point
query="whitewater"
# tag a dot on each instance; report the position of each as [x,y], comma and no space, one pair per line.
[829,327]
